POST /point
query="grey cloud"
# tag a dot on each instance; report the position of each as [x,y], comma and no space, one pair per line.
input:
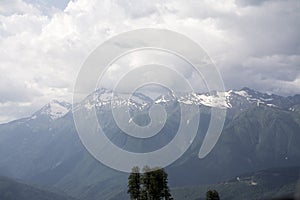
[277,74]
[15,91]
[279,68]
[269,29]
[265,55]
[51,81]
[61,4]
[251,2]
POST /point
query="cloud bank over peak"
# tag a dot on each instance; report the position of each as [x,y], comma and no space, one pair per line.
[44,43]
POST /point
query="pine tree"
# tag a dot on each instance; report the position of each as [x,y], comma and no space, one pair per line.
[134,184]
[212,195]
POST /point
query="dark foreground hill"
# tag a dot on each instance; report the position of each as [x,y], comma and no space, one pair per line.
[13,190]
[276,183]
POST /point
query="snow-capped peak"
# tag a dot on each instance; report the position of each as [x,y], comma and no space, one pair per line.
[55,109]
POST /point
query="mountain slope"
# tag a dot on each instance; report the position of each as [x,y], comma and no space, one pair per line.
[258,138]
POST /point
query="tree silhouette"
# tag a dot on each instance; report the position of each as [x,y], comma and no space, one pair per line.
[153,184]
[212,195]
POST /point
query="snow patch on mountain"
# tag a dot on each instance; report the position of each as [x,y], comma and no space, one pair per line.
[219,100]
[55,109]
[241,93]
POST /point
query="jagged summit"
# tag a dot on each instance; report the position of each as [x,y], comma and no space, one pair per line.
[54,109]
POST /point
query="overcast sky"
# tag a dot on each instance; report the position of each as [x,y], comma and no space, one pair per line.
[43,43]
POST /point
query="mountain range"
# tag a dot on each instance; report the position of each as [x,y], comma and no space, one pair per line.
[261,131]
